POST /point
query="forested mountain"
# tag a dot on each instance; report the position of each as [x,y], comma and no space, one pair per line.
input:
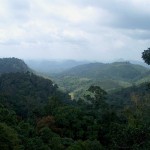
[27,93]
[36,115]
[12,65]
[117,70]
[109,76]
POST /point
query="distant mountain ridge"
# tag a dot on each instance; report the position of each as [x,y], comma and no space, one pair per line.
[117,70]
[52,66]
[12,65]
[109,76]
[136,62]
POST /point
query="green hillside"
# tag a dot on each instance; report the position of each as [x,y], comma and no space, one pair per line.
[128,96]
[27,93]
[143,78]
[118,70]
[109,76]
[36,115]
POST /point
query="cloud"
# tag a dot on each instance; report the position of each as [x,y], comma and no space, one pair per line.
[75,29]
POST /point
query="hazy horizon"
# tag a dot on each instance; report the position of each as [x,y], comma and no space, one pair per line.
[84,30]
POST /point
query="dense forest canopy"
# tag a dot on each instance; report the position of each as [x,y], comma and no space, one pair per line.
[36,115]
[146,56]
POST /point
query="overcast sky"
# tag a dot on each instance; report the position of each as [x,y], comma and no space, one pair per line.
[74,29]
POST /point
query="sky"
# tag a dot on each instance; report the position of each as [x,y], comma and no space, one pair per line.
[100,30]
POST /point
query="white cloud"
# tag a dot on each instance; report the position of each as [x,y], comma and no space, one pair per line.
[74,29]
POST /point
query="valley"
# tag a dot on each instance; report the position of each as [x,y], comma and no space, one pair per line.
[110,77]
[74,75]
[86,105]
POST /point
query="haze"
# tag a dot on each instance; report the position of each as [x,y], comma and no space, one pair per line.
[100,30]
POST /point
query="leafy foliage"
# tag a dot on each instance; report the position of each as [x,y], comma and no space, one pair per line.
[9,137]
[108,76]
[21,91]
[36,115]
[146,56]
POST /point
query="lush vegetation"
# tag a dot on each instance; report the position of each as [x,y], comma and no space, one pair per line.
[109,76]
[36,115]
[27,93]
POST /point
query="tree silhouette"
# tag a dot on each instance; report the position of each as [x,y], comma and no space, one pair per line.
[146,56]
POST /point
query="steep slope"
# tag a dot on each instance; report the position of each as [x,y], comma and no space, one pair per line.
[8,65]
[109,76]
[27,93]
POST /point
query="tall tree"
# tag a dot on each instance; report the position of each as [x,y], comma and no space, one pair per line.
[96,97]
[146,56]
